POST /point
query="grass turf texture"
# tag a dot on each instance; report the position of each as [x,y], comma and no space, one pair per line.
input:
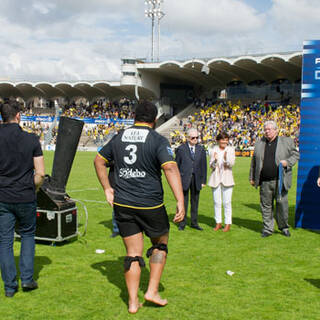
[275,277]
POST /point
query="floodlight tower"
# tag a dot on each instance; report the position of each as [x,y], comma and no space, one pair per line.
[153,12]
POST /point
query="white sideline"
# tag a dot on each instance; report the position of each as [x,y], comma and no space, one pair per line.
[90,189]
[95,201]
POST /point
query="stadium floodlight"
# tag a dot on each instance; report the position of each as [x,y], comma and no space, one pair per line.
[154,12]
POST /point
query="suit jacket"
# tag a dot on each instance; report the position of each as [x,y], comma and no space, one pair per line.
[285,150]
[223,176]
[186,165]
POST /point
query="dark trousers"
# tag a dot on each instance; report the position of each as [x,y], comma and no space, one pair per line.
[194,202]
[25,213]
[269,195]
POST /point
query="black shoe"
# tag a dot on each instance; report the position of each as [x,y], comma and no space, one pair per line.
[197,227]
[181,228]
[29,286]
[114,234]
[286,233]
[265,234]
[10,294]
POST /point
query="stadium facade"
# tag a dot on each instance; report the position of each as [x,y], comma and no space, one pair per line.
[275,76]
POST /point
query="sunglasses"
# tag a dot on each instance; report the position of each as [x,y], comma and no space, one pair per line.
[192,138]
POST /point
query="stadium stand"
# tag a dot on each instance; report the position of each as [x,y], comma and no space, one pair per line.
[109,117]
[244,123]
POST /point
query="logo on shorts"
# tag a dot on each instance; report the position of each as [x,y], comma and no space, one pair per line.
[127,173]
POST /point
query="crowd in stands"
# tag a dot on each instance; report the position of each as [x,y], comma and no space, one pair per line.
[244,123]
[103,109]
[97,134]
[100,134]
[39,128]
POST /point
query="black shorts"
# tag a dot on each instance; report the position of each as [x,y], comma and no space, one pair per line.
[154,222]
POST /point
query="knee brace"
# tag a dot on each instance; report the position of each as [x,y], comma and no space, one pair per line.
[159,246]
[128,260]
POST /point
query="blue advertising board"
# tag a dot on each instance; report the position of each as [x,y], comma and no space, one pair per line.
[308,193]
[85,120]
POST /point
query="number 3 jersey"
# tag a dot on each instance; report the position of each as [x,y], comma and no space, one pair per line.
[138,153]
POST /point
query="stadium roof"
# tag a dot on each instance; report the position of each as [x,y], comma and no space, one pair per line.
[206,72]
[218,72]
[90,90]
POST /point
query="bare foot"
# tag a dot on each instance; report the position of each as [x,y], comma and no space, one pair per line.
[133,307]
[218,226]
[156,299]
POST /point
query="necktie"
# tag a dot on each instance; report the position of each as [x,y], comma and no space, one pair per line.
[192,153]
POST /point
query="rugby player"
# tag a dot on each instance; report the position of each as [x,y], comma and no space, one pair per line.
[139,154]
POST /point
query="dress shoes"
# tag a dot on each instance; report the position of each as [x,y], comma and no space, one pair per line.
[10,294]
[286,233]
[265,234]
[114,234]
[181,228]
[217,227]
[29,286]
[197,227]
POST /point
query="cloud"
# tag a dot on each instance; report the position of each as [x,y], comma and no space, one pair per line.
[34,14]
[15,61]
[205,17]
[61,40]
[296,18]
[43,8]
[70,40]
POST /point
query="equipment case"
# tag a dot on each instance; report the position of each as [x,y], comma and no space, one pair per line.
[56,226]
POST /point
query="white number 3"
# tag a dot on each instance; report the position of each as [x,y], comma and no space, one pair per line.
[132,158]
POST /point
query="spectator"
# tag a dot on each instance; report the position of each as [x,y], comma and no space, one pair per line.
[221,180]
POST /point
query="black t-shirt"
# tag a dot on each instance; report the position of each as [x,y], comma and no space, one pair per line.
[269,170]
[138,154]
[17,150]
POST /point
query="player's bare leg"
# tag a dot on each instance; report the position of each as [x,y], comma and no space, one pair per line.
[134,246]
[157,263]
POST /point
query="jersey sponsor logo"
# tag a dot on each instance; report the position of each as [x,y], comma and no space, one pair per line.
[127,173]
[135,135]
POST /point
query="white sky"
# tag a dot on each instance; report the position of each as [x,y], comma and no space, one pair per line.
[80,39]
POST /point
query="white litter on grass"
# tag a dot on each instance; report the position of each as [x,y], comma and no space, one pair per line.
[230,273]
[99,251]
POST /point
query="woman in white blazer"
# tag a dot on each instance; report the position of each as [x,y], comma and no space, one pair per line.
[221,180]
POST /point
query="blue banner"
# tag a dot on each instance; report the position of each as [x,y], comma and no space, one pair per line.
[95,121]
[308,193]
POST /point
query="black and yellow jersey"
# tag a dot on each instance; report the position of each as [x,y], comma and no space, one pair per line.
[138,153]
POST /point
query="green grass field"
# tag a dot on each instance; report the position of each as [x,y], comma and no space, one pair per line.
[275,277]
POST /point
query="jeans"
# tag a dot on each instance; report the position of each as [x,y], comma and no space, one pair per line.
[25,214]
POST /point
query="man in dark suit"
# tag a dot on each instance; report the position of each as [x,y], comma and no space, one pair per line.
[192,163]
[269,152]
